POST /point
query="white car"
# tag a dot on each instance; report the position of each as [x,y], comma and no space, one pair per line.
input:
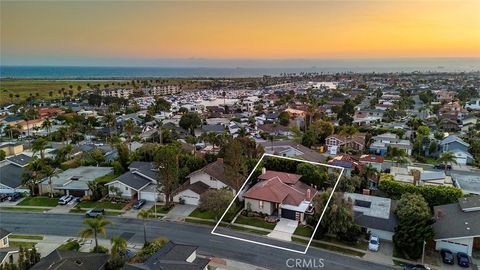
[65,199]
[373,243]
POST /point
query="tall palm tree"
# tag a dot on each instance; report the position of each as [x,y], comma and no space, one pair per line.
[110,121]
[47,124]
[119,246]
[95,226]
[447,158]
[33,174]
[38,146]
[49,171]
[144,214]
[129,127]
[64,134]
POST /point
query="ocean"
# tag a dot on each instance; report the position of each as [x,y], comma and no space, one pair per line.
[326,66]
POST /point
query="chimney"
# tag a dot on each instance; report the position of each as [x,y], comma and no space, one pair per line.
[308,194]
[264,170]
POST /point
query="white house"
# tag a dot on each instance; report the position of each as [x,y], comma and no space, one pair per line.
[210,176]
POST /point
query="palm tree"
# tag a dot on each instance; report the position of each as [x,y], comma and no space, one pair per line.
[64,134]
[129,127]
[33,174]
[47,124]
[95,226]
[38,146]
[110,121]
[49,171]
[447,158]
[119,246]
[144,214]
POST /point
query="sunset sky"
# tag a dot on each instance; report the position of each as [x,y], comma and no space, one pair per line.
[52,32]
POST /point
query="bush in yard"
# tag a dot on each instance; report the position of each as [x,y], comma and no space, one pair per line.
[99,249]
[216,201]
[414,225]
[148,249]
[70,245]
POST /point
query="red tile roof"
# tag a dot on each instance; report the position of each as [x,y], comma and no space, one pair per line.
[371,158]
[287,178]
[274,190]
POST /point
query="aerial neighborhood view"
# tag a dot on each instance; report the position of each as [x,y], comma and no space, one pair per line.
[197,148]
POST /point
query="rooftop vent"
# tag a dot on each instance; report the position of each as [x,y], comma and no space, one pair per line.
[75,178]
[361,203]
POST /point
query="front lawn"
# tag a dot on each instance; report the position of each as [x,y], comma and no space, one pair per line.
[253,221]
[161,209]
[202,214]
[26,236]
[105,205]
[39,201]
[303,231]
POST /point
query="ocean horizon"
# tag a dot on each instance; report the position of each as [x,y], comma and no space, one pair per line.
[279,67]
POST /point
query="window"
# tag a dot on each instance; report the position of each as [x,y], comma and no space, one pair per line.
[126,188]
[260,204]
[5,241]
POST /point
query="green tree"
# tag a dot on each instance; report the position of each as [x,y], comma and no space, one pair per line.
[95,226]
[144,215]
[3,155]
[311,174]
[38,146]
[234,163]
[338,216]
[129,127]
[414,225]
[47,124]
[216,201]
[166,159]
[119,246]
[49,172]
[189,121]
[447,158]
[345,115]
[284,118]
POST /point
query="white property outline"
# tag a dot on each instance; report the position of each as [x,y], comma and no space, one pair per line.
[246,181]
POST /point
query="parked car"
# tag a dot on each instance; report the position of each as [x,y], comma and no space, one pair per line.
[95,212]
[13,197]
[3,197]
[442,167]
[463,260]
[139,204]
[65,199]
[416,267]
[447,256]
[374,243]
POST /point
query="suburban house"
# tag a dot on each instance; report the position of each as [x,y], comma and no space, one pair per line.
[67,260]
[436,178]
[458,147]
[172,256]
[210,176]
[468,183]
[383,141]
[11,148]
[374,214]
[281,194]
[335,141]
[74,181]
[457,225]
[139,182]
[7,254]
[11,172]
[374,161]
[347,162]
[292,149]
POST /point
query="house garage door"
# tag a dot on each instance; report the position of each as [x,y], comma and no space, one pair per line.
[453,246]
[193,200]
[290,214]
[149,196]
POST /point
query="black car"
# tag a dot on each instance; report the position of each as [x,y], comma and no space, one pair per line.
[416,267]
[13,197]
[95,212]
[3,197]
[447,256]
[139,204]
[442,167]
[463,260]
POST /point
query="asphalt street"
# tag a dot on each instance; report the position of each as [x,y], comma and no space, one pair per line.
[210,245]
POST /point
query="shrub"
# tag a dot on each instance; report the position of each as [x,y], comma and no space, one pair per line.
[70,245]
[99,249]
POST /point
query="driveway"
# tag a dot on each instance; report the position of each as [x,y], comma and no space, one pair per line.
[63,209]
[284,229]
[179,212]
[132,213]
